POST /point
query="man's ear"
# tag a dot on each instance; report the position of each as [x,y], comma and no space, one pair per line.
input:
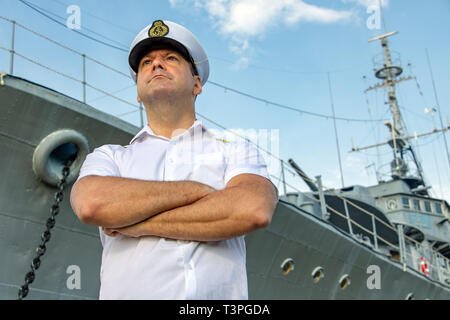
[139,99]
[197,86]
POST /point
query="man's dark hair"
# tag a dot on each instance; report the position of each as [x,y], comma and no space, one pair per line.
[172,45]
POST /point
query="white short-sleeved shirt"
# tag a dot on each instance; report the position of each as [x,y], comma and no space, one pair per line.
[159,268]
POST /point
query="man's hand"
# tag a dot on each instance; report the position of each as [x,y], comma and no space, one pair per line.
[134,231]
[110,232]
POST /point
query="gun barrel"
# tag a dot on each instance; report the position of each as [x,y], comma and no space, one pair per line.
[303,175]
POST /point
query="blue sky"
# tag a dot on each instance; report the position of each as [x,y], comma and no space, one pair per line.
[279,51]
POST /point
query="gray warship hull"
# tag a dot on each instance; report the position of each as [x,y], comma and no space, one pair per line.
[281,259]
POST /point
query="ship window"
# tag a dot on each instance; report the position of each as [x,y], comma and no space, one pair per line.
[416,204]
[317,274]
[410,296]
[405,202]
[437,208]
[391,204]
[287,266]
[427,206]
[344,282]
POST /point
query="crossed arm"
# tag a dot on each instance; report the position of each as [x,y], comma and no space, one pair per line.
[183,210]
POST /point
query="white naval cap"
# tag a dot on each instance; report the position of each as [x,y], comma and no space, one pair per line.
[163,32]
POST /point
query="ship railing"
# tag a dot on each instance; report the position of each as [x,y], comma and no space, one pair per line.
[84,84]
[438,264]
[379,60]
[384,172]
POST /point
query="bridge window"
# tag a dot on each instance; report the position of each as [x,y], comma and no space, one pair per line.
[416,204]
[427,206]
[437,208]
[405,202]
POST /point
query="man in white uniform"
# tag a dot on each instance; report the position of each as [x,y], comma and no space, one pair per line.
[174,205]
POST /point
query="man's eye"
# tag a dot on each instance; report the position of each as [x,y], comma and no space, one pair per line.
[147,61]
[173,58]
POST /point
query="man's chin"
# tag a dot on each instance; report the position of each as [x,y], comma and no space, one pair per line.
[161,94]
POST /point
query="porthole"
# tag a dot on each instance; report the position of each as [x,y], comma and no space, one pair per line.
[410,296]
[317,274]
[392,204]
[344,281]
[287,266]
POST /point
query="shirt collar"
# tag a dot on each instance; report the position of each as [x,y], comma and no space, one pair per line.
[147,131]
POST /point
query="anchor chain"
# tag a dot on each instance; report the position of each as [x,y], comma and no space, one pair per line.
[46,235]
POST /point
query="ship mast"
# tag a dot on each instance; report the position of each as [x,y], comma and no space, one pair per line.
[390,73]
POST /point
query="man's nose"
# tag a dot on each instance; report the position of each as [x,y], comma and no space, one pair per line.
[158,63]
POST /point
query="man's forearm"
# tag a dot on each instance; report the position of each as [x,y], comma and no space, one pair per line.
[221,215]
[114,202]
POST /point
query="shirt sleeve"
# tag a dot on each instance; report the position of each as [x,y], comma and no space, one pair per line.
[100,162]
[244,157]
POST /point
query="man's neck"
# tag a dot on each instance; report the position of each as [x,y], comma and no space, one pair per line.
[169,121]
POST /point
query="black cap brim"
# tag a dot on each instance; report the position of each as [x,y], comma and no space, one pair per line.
[156,43]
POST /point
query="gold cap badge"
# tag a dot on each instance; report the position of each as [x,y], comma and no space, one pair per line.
[158,29]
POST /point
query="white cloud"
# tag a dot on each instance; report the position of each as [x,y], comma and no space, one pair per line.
[249,18]
[368,3]
[244,20]
[310,13]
